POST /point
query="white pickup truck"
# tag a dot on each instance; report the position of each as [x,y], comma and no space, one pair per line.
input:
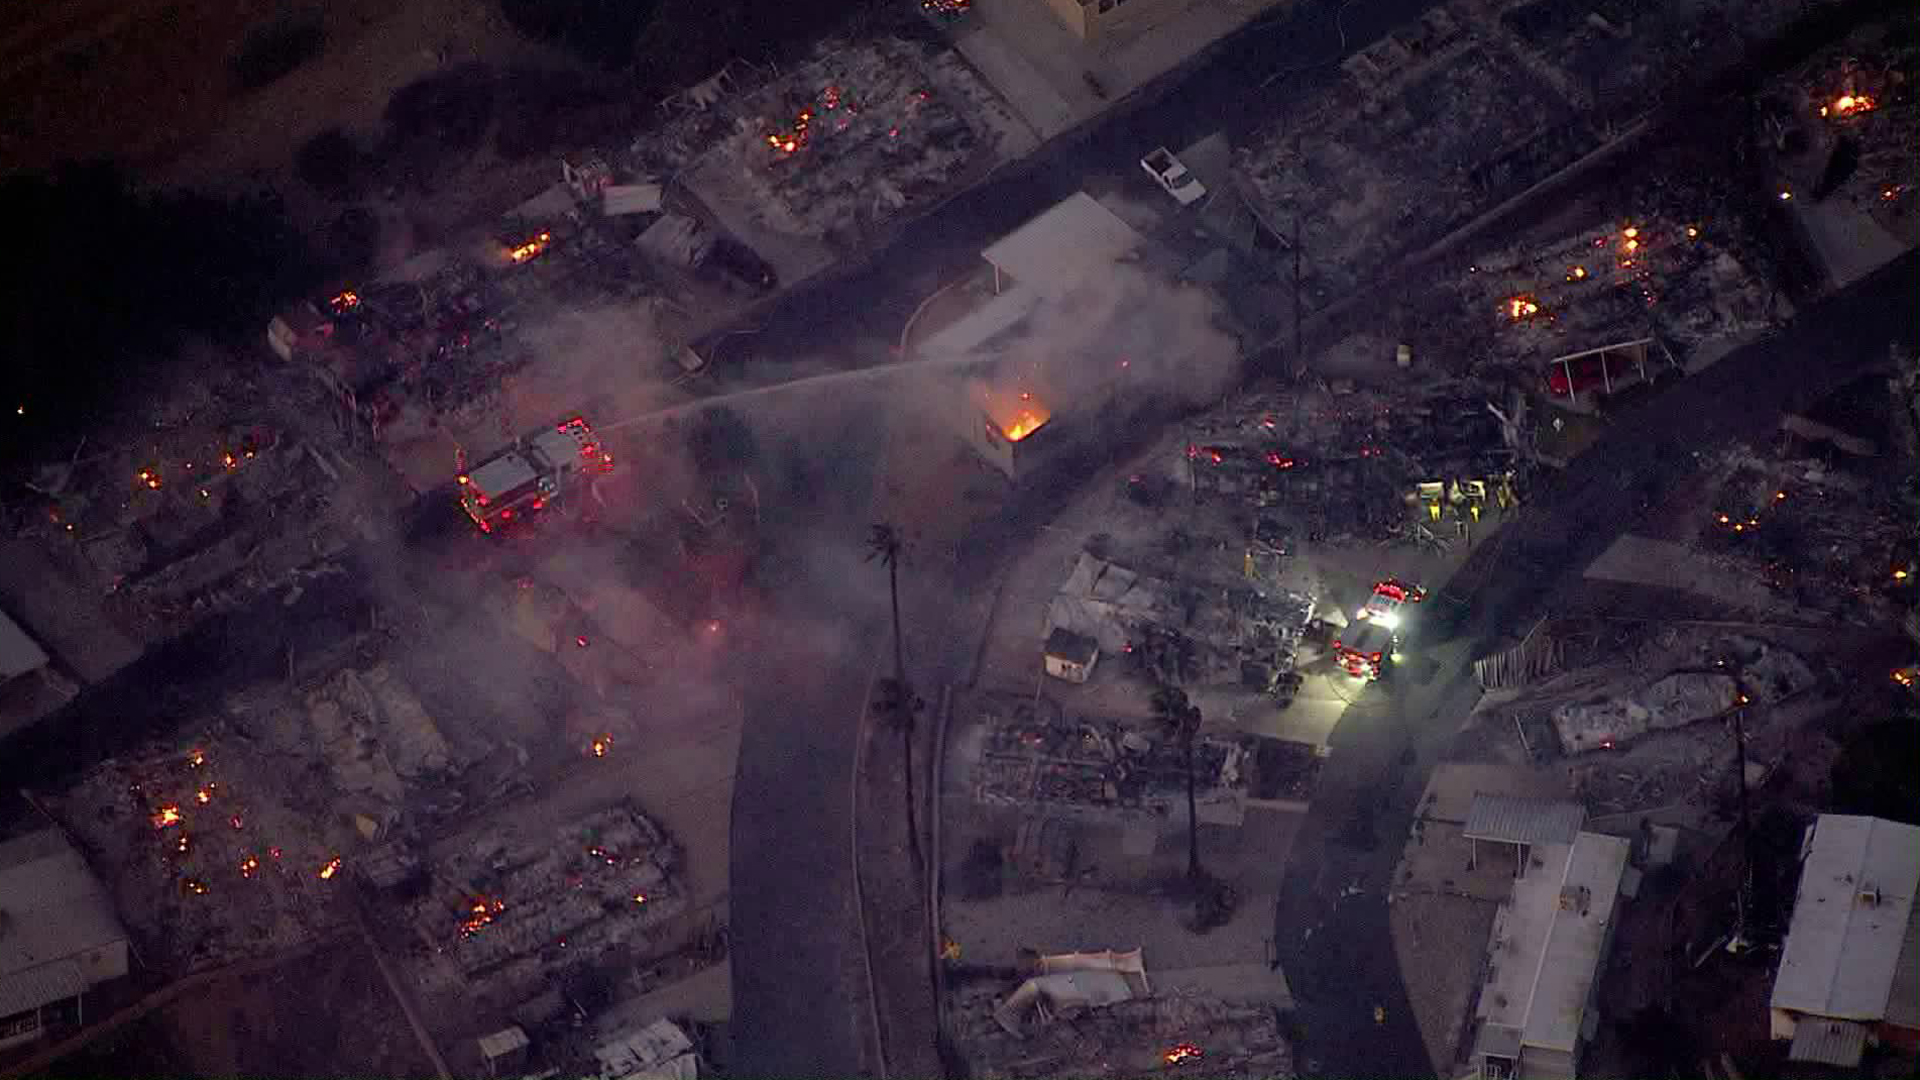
[1167,171]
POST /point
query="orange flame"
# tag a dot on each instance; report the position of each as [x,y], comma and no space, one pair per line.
[601,745]
[166,817]
[1848,105]
[531,248]
[332,868]
[1522,306]
[1181,1053]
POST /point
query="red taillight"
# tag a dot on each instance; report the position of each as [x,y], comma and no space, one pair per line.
[1336,644]
[1376,658]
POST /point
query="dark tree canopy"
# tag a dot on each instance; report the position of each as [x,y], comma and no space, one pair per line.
[103,281]
[600,31]
[1875,772]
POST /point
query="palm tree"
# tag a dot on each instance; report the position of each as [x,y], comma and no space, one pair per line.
[1180,719]
[883,543]
[896,704]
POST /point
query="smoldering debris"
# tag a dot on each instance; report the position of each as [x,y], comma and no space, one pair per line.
[512,907]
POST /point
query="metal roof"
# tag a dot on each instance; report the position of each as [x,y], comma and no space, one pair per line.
[1850,921]
[1829,1042]
[18,652]
[503,1042]
[1512,820]
[1074,238]
[43,985]
[55,910]
[1570,961]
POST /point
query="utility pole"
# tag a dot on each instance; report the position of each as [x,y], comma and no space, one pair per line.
[1299,352]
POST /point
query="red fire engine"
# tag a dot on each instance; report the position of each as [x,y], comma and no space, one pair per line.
[1374,633]
[535,470]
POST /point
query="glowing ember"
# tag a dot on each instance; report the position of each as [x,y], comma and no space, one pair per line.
[273,853]
[249,866]
[229,460]
[1903,677]
[196,759]
[946,7]
[602,744]
[166,817]
[531,248]
[1182,1053]
[195,886]
[1578,273]
[237,822]
[1630,232]
[204,795]
[1899,575]
[1848,105]
[639,898]
[345,302]
[480,915]
[580,641]
[1693,232]
[182,844]
[1522,307]
[1785,195]
[332,868]
[151,478]
[604,855]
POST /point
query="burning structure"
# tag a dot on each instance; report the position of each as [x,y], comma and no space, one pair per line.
[1011,430]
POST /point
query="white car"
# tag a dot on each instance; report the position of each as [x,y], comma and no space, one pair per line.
[1167,171]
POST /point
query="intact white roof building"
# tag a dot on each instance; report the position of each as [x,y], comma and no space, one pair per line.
[1073,239]
[1550,940]
[1850,969]
[59,936]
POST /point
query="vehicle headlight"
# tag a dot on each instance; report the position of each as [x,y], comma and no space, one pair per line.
[1390,620]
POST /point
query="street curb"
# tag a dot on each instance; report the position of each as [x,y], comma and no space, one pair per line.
[937,765]
[863,729]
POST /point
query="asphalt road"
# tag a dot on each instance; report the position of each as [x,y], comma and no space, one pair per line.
[1223,92]
[1337,950]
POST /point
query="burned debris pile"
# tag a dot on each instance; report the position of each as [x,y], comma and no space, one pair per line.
[1349,465]
[1100,767]
[1820,533]
[1038,760]
[1183,633]
[1675,273]
[216,852]
[1843,124]
[507,911]
[858,131]
[1071,1031]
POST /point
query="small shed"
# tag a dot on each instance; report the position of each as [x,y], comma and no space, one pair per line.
[504,1051]
[1524,823]
[1070,656]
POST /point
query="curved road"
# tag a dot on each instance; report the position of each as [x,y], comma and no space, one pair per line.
[1338,952]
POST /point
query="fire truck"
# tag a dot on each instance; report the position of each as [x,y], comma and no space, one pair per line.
[1374,634]
[532,473]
